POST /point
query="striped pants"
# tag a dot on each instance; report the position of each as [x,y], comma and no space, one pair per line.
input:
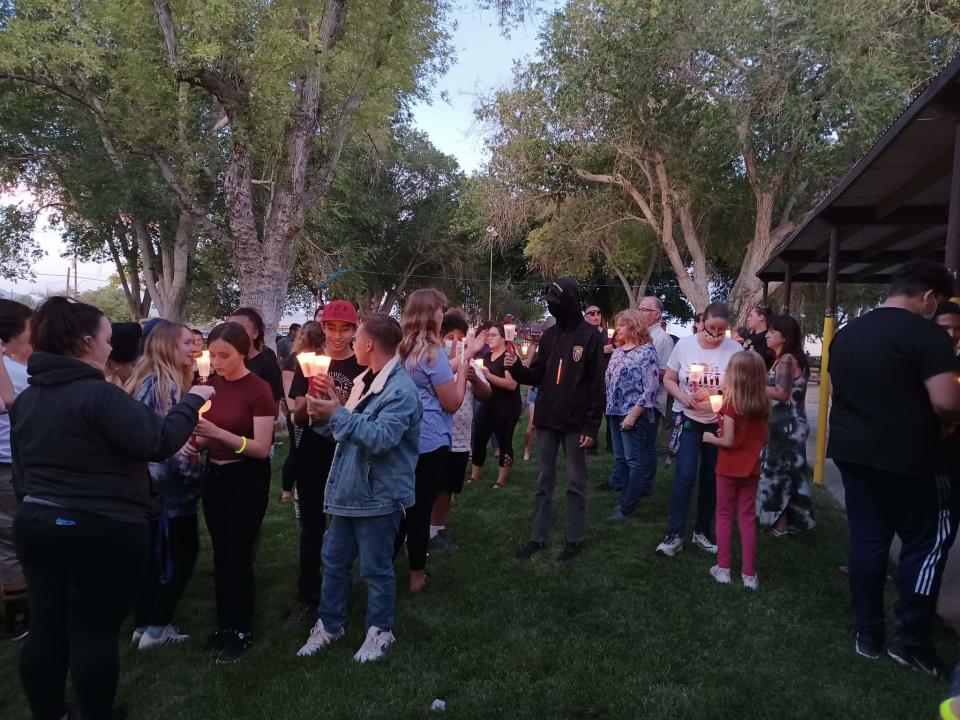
[918,509]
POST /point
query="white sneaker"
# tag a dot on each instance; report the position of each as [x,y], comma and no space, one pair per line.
[671,545]
[721,575]
[171,635]
[704,543]
[319,638]
[375,645]
[137,634]
[751,582]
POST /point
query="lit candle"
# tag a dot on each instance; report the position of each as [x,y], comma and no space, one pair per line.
[511,331]
[203,365]
[525,348]
[206,406]
[479,362]
[610,332]
[321,364]
[306,363]
[695,373]
[716,402]
[729,333]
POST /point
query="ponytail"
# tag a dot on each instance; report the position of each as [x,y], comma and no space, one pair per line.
[60,326]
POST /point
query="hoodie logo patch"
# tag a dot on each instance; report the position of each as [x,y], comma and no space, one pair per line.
[577,353]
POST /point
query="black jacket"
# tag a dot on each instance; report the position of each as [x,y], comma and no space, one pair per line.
[83,443]
[575,404]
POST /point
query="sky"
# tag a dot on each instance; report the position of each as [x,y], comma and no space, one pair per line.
[484,59]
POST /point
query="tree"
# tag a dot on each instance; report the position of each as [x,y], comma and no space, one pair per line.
[718,122]
[110,299]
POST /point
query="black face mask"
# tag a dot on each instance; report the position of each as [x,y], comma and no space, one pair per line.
[554,297]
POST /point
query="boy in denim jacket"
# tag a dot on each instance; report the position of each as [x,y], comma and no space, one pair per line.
[371,484]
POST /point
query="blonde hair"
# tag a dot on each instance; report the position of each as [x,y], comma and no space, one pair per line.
[419,324]
[745,384]
[637,331]
[161,358]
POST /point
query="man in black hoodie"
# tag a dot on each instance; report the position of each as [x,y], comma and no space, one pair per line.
[568,370]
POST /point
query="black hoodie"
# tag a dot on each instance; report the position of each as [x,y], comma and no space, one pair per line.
[83,443]
[574,404]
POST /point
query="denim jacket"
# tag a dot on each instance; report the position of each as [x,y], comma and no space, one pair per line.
[378,445]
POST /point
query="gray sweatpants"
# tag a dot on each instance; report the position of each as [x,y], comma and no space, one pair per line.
[548,444]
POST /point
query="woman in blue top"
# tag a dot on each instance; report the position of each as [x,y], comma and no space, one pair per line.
[441,393]
[633,380]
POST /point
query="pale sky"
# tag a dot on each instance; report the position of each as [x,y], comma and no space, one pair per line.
[484,59]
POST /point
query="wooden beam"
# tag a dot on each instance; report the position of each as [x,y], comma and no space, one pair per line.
[894,238]
[904,215]
[787,288]
[927,176]
[846,257]
[952,246]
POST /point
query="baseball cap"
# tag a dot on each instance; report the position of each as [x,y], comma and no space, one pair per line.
[339,311]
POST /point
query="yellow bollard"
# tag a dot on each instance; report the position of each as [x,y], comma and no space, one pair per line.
[823,406]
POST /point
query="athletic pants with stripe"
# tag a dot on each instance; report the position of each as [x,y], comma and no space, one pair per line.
[918,509]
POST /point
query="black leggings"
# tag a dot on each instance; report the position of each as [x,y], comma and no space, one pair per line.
[500,423]
[314,457]
[173,554]
[82,573]
[415,526]
[235,500]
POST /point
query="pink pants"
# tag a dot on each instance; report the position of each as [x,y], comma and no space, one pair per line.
[737,495]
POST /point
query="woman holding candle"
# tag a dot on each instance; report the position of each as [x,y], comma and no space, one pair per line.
[237,432]
[743,424]
[695,371]
[441,394]
[161,377]
[785,502]
[82,529]
[632,385]
[499,414]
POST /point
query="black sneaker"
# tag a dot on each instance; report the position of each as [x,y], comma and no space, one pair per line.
[235,647]
[570,551]
[867,647]
[923,660]
[305,613]
[442,542]
[217,640]
[527,551]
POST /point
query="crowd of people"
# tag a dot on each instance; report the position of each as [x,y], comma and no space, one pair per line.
[389,418]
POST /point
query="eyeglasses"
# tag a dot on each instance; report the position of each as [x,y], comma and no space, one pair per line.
[714,335]
[593,312]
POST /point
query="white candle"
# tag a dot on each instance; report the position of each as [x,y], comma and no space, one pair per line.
[306,363]
[716,402]
[203,365]
[206,406]
[479,362]
[321,364]
[511,331]
[695,373]
[610,332]
[525,348]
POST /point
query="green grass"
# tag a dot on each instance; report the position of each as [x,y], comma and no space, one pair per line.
[619,633]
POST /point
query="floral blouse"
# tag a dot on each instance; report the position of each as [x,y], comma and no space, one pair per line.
[633,378]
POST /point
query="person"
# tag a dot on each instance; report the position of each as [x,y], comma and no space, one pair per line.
[567,369]
[741,437]
[261,361]
[651,308]
[318,313]
[894,380]
[14,351]
[80,451]
[126,343]
[161,377]
[500,412]
[594,316]
[757,327]
[632,384]
[314,455]
[785,499]
[707,353]
[453,329]
[237,433]
[740,335]
[370,486]
[285,346]
[310,338]
[441,394]
[948,317]
[198,342]
[530,435]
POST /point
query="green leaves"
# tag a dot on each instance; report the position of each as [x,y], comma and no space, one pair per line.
[18,250]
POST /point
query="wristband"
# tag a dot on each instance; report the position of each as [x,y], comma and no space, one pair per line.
[243,446]
[946,711]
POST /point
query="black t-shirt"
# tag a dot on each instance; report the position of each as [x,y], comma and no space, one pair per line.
[500,399]
[758,343]
[265,366]
[882,416]
[343,373]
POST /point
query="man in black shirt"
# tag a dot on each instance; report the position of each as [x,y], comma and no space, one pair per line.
[894,382]
[757,339]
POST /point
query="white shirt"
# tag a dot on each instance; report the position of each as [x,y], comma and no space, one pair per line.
[688,352]
[463,420]
[19,377]
[664,345]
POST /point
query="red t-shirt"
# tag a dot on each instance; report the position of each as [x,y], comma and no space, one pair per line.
[234,407]
[742,459]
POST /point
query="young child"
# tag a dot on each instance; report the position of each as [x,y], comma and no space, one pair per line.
[743,435]
[370,486]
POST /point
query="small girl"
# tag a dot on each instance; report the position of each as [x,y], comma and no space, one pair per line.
[744,433]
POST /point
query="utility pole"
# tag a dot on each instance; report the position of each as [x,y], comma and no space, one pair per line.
[492,234]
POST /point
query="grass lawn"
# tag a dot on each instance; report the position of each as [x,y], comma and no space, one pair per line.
[618,633]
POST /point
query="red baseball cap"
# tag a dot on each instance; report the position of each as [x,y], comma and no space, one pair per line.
[339,311]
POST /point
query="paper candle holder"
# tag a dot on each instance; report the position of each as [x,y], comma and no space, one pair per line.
[716,402]
[695,373]
[203,365]
[510,332]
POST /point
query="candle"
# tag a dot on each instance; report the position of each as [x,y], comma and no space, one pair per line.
[525,348]
[203,365]
[206,406]
[695,373]
[511,331]
[306,363]
[610,332]
[479,362]
[716,402]
[729,333]
[321,364]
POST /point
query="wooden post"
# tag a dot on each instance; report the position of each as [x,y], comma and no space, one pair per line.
[952,251]
[766,293]
[787,288]
[829,320]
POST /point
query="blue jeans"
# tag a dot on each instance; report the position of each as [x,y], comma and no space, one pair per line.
[633,453]
[695,459]
[372,539]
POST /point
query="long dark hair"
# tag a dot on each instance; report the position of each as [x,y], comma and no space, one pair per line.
[257,320]
[792,339]
[61,324]
[13,319]
[233,334]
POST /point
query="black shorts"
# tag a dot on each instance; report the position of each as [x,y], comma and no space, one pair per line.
[455,472]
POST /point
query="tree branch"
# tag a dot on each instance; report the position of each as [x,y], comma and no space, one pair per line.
[185,197]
